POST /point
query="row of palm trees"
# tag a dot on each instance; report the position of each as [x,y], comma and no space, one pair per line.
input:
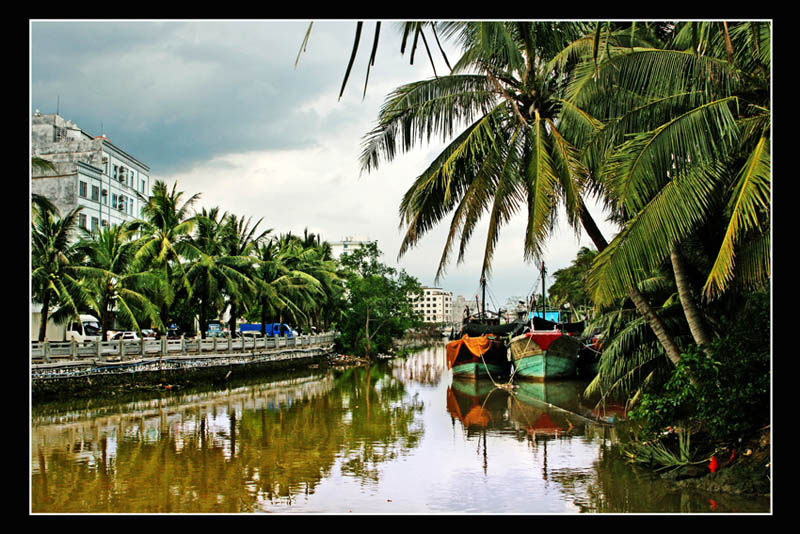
[666,123]
[175,263]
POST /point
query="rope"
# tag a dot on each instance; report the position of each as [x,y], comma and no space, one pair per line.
[486,367]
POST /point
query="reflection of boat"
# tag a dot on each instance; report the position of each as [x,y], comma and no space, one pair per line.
[549,409]
[566,394]
[610,413]
[475,357]
[476,403]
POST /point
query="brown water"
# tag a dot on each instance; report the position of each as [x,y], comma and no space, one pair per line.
[401,437]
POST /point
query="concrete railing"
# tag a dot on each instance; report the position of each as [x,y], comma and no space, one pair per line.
[63,351]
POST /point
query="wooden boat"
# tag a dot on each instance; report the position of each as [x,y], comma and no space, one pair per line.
[545,354]
[548,350]
[589,355]
[477,357]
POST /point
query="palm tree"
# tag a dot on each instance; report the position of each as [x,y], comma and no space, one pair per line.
[166,225]
[54,279]
[211,272]
[689,133]
[239,239]
[282,289]
[108,269]
[513,153]
[413,30]
[315,258]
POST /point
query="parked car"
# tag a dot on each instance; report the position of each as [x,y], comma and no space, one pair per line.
[125,335]
[147,333]
[216,333]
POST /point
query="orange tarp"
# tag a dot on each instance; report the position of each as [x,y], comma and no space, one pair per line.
[476,345]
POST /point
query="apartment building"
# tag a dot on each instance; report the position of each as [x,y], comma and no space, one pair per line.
[347,244]
[435,305]
[89,171]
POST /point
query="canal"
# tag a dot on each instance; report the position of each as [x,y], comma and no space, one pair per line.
[399,437]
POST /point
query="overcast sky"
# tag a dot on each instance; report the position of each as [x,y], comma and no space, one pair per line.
[219,107]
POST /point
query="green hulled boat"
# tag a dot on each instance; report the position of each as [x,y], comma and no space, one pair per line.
[544,355]
[478,357]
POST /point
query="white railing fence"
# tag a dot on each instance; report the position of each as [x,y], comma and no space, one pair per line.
[46,351]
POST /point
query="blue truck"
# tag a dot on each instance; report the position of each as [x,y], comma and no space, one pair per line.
[272,329]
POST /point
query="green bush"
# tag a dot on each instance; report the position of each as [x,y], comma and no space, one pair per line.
[725,389]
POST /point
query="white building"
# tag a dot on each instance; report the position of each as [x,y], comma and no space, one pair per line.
[348,244]
[464,307]
[90,171]
[435,305]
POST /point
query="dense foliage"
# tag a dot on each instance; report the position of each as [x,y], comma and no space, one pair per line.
[175,265]
[723,390]
[378,304]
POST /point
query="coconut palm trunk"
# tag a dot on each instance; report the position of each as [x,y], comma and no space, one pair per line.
[639,301]
[693,315]
[45,316]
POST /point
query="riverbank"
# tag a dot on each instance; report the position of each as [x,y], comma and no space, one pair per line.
[741,470]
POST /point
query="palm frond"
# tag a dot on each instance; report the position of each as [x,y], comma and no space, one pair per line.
[644,240]
[750,205]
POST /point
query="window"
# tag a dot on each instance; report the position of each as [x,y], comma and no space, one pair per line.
[95,193]
[113,200]
[82,220]
[105,196]
[94,224]
[82,188]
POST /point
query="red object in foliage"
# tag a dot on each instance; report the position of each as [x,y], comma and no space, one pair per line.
[733,453]
[713,504]
[714,464]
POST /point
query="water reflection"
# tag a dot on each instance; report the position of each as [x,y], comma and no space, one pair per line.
[400,436]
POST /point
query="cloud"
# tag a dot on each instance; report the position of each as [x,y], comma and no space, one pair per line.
[219,107]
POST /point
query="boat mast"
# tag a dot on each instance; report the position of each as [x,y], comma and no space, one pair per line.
[543,307]
[483,297]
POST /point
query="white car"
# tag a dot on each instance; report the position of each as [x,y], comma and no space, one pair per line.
[149,334]
[125,335]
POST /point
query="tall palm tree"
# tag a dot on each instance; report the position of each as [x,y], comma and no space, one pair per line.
[239,239]
[315,258]
[689,133]
[108,268]
[54,279]
[283,290]
[166,225]
[505,106]
[212,273]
